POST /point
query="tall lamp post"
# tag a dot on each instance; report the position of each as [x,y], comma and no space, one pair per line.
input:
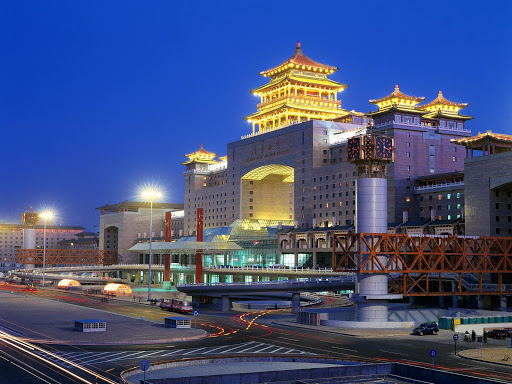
[150,194]
[45,216]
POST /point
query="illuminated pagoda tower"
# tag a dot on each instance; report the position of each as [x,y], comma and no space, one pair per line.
[299,90]
[200,160]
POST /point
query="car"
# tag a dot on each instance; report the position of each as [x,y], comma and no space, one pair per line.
[426,329]
[497,334]
[30,288]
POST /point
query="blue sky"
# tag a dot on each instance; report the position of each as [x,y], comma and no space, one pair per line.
[99,97]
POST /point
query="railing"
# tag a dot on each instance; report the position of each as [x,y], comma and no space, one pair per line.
[304,99]
[270,129]
[422,125]
[346,278]
[438,186]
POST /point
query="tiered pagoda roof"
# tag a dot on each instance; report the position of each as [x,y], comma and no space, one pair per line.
[299,61]
[298,89]
[500,140]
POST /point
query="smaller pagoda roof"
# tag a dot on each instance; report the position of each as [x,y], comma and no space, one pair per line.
[300,61]
[397,94]
[478,141]
[201,156]
[223,158]
[440,100]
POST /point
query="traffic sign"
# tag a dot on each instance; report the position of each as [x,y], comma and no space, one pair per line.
[455,337]
[433,353]
[196,313]
[144,365]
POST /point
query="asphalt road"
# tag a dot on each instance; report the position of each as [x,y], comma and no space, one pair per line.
[237,334]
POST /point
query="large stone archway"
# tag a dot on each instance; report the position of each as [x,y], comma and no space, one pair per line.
[267,193]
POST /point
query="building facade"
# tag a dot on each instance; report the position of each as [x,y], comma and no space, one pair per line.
[124,224]
[11,239]
[295,170]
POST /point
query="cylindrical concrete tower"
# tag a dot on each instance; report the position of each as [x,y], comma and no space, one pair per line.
[372,217]
[29,218]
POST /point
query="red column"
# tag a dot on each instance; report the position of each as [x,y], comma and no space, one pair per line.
[199,238]
[167,258]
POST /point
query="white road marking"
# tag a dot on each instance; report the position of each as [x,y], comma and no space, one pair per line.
[126,356]
[251,347]
[99,358]
[345,349]
[260,350]
[194,350]
[172,352]
[285,338]
[238,346]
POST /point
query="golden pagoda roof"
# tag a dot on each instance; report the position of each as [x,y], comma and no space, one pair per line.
[299,61]
[297,106]
[201,156]
[397,94]
[484,138]
[303,80]
[223,158]
[397,108]
[440,100]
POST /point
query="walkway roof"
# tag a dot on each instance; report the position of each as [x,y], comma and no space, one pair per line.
[186,247]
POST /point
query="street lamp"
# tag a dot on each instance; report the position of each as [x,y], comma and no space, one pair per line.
[45,216]
[150,194]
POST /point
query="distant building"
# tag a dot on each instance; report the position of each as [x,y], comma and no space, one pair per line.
[83,240]
[124,224]
[11,238]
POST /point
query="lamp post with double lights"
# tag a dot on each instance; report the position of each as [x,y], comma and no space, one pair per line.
[45,216]
[150,195]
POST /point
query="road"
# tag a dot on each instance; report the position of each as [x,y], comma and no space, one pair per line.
[238,334]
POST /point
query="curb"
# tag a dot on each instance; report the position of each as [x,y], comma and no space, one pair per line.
[483,361]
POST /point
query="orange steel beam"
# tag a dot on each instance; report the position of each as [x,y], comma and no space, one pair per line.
[422,256]
[66,257]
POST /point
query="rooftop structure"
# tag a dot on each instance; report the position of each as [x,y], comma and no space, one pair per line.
[299,90]
[134,206]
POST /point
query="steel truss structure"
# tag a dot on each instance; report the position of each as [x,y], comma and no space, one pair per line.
[418,265]
[66,257]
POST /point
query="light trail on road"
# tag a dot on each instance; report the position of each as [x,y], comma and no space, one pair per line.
[30,349]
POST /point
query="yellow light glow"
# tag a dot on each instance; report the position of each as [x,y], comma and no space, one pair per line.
[47,215]
[151,193]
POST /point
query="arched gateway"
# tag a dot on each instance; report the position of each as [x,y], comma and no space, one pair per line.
[267,193]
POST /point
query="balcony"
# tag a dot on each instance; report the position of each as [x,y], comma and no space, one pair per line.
[301,99]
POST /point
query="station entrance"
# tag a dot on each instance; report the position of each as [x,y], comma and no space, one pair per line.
[267,193]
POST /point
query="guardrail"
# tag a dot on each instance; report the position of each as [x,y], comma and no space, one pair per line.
[337,279]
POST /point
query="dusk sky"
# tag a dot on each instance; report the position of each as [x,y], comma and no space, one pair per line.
[99,97]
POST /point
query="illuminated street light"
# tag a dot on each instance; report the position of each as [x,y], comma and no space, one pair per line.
[45,216]
[150,194]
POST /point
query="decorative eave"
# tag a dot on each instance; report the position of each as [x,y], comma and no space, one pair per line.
[308,108]
[324,82]
[439,114]
[396,108]
[223,158]
[482,139]
[299,61]
[396,96]
[440,103]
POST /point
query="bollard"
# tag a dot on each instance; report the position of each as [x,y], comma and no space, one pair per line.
[142,318]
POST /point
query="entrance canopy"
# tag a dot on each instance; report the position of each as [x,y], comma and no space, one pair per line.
[273,169]
[186,247]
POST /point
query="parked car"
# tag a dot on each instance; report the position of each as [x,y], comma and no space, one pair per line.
[426,329]
[497,334]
